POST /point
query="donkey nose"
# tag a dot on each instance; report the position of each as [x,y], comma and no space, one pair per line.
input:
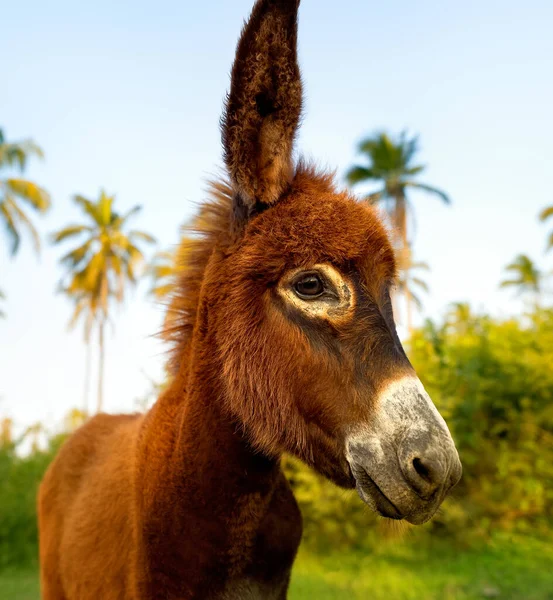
[425,474]
[429,469]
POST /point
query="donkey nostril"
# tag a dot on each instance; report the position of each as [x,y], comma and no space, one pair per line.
[421,469]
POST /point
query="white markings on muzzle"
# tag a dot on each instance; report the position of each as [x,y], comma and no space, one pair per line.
[403,407]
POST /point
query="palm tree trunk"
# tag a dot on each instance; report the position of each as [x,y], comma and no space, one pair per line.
[101,369]
[87,376]
[400,225]
[409,309]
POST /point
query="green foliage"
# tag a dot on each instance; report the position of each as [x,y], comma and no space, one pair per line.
[331,516]
[493,383]
[20,477]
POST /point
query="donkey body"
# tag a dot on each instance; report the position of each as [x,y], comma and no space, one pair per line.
[283,341]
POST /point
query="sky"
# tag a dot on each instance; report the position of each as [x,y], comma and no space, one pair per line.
[127,97]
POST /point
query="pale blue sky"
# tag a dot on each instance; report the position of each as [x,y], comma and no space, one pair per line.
[127,96]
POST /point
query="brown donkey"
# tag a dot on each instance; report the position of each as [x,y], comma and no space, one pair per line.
[283,341]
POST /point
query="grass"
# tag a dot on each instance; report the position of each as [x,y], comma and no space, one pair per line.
[510,569]
[20,584]
[507,569]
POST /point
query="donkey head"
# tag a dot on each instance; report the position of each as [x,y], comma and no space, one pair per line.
[295,302]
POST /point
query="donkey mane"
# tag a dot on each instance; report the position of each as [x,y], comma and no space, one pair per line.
[212,226]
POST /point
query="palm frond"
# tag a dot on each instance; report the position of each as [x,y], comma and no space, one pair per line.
[546,213]
[420,283]
[414,170]
[142,235]
[416,300]
[11,228]
[510,283]
[17,154]
[375,197]
[24,220]
[129,214]
[31,193]
[89,207]
[73,259]
[359,174]
[68,232]
[104,209]
[429,189]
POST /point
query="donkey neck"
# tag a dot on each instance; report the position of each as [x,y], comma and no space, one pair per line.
[217,443]
[207,499]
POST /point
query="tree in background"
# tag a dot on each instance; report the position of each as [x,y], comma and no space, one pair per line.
[85,309]
[409,285]
[391,163]
[166,266]
[546,215]
[15,191]
[525,277]
[163,271]
[492,381]
[102,266]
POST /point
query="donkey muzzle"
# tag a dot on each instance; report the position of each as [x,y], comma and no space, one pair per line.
[404,461]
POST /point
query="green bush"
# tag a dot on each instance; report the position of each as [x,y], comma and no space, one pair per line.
[493,383]
[20,477]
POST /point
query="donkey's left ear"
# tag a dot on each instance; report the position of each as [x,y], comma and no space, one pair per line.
[264,104]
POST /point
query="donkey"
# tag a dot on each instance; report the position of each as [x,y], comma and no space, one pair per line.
[283,340]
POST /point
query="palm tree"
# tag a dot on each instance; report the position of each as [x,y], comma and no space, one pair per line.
[545,215]
[460,318]
[408,284]
[166,266]
[163,271]
[391,164]
[85,309]
[15,191]
[102,265]
[460,312]
[526,277]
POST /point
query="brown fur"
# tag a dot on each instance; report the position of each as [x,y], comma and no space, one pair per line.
[188,501]
[264,103]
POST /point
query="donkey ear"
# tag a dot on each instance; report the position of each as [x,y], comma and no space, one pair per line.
[264,104]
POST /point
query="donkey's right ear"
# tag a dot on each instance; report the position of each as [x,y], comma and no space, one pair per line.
[264,105]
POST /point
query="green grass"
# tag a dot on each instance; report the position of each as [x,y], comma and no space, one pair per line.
[513,569]
[19,584]
[507,569]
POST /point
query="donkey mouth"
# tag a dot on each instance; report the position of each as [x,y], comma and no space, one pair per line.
[372,495]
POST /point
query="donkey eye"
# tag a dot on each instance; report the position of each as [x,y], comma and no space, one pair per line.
[309,286]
